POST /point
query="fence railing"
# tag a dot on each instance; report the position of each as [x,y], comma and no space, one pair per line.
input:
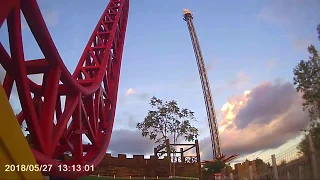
[289,164]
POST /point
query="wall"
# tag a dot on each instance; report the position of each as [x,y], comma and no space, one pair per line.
[138,166]
[241,170]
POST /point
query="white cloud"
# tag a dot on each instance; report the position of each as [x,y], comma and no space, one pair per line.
[51,17]
[267,117]
[130,91]
[280,11]
[127,141]
[263,118]
[271,64]
[301,44]
[241,80]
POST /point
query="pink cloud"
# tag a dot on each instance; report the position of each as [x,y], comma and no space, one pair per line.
[266,118]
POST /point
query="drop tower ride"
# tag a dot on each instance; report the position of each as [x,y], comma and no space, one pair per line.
[212,120]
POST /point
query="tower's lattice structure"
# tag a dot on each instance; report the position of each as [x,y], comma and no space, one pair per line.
[215,140]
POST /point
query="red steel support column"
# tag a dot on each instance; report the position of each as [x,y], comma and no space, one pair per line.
[90,93]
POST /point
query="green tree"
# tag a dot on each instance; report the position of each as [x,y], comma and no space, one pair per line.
[168,121]
[304,147]
[211,168]
[261,166]
[228,169]
[307,81]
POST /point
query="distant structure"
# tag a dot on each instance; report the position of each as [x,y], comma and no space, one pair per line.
[212,119]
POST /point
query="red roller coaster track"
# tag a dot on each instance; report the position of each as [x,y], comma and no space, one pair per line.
[90,93]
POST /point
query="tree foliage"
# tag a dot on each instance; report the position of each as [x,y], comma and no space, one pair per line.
[211,168]
[304,147]
[283,162]
[318,30]
[261,166]
[307,81]
[166,121]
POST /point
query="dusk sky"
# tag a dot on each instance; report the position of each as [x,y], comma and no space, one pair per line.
[250,49]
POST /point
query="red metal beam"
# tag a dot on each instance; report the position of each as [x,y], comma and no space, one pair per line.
[91,92]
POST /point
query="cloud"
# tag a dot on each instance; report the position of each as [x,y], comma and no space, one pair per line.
[130,91]
[211,65]
[263,118]
[51,17]
[144,96]
[23,25]
[278,11]
[129,120]
[301,44]
[289,12]
[271,64]
[265,103]
[290,16]
[240,81]
[132,142]
[132,96]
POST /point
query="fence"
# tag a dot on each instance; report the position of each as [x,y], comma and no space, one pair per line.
[289,164]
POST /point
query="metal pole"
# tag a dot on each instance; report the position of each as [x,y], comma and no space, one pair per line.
[274,167]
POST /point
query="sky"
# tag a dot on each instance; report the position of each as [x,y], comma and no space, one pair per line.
[250,49]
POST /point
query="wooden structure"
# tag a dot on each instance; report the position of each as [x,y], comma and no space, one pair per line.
[177,158]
